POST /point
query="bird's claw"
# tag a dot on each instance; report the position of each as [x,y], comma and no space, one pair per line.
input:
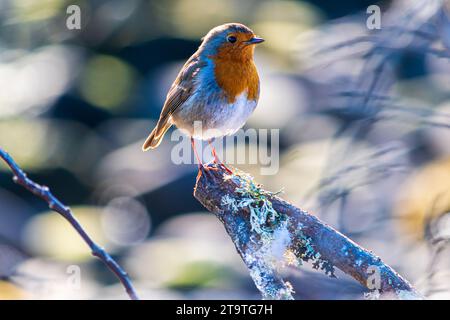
[224,167]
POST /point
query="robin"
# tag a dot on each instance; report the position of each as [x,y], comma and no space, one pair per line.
[217,87]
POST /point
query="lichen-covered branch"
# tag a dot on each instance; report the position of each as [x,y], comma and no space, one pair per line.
[56,205]
[269,232]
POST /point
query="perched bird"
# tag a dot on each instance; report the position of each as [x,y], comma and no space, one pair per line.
[218,86]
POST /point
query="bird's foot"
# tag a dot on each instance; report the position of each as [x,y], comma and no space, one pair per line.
[216,164]
[219,164]
[228,170]
[206,169]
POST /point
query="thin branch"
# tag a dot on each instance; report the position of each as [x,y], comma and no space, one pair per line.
[268,231]
[56,205]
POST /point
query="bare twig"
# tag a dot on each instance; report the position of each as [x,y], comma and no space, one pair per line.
[267,230]
[56,205]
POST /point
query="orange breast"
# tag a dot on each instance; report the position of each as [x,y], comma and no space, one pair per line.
[235,76]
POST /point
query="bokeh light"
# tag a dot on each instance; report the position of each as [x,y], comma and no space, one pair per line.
[363,118]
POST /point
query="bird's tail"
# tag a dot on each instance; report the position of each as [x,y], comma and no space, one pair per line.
[155,138]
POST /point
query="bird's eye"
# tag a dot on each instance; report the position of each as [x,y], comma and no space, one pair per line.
[231,39]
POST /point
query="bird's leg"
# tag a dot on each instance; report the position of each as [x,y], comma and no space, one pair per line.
[216,158]
[213,152]
[201,166]
[200,163]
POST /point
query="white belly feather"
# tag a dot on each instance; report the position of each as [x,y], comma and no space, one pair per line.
[225,119]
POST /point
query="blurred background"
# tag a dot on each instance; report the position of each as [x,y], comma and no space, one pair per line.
[364,119]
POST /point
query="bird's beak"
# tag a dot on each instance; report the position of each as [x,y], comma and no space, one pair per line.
[254,40]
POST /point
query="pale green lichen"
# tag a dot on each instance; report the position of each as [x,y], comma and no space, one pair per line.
[263,217]
[306,252]
[271,238]
[230,202]
[274,241]
[265,259]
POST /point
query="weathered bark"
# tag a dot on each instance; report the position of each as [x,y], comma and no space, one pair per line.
[236,200]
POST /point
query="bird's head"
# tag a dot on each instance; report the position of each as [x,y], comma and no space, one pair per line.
[231,41]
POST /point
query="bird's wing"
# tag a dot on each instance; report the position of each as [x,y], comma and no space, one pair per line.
[181,89]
